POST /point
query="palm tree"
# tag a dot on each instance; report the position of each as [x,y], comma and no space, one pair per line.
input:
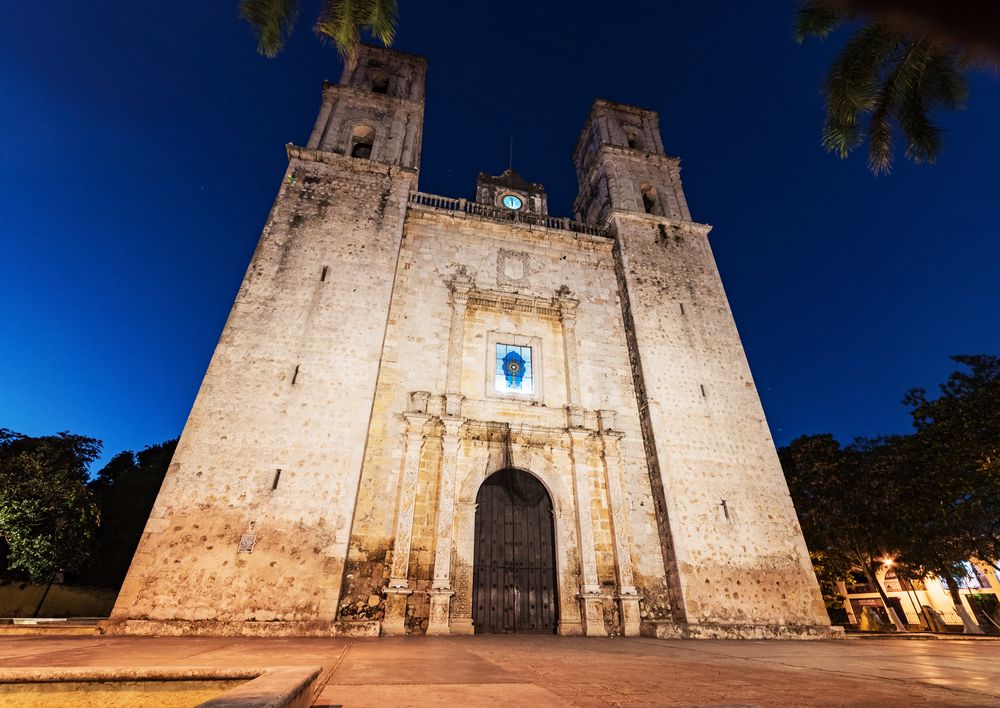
[340,20]
[893,77]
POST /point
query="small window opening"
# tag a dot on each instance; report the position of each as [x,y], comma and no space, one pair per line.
[514,372]
[295,375]
[277,476]
[632,138]
[702,390]
[380,84]
[362,139]
[682,307]
[322,276]
[648,198]
[631,142]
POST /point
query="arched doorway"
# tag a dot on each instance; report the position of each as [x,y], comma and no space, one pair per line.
[514,570]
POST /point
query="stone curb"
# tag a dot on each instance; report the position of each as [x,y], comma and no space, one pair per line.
[269,687]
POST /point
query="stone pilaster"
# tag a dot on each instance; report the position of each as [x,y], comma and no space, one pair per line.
[461,284]
[567,316]
[441,592]
[328,138]
[627,596]
[590,592]
[321,122]
[460,287]
[398,588]
[570,622]
[465,543]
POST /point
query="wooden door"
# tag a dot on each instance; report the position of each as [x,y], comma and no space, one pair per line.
[514,572]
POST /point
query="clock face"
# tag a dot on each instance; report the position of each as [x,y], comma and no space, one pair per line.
[512,202]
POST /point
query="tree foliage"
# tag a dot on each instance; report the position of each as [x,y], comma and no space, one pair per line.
[339,20]
[125,489]
[846,498]
[955,457]
[48,516]
[929,500]
[886,82]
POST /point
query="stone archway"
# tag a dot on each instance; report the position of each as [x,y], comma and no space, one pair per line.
[514,568]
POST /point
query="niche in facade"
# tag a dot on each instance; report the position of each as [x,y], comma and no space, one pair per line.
[362,139]
[649,198]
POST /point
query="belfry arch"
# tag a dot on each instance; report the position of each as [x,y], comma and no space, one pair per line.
[514,587]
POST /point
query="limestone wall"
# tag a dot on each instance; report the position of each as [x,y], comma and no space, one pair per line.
[290,388]
[742,562]
[515,277]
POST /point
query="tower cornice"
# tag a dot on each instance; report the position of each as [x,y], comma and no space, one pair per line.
[332,158]
[679,226]
[370,98]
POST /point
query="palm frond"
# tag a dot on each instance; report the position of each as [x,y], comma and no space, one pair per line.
[888,75]
[382,20]
[945,80]
[896,90]
[923,138]
[343,20]
[912,101]
[272,22]
[853,86]
[841,138]
[817,18]
[880,137]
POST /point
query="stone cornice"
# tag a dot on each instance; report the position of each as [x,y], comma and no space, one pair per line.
[375,99]
[327,157]
[608,150]
[487,429]
[636,154]
[511,302]
[684,227]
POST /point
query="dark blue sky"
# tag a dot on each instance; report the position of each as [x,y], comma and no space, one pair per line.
[142,146]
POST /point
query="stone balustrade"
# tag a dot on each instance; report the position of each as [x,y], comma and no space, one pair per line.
[505,215]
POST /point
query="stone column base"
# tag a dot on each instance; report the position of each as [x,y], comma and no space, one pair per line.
[628,606]
[593,614]
[439,624]
[394,622]
[462,625]
[569,628]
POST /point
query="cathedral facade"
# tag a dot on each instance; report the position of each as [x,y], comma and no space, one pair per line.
[455,416]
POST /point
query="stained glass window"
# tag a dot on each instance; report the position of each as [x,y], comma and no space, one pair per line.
[513,370]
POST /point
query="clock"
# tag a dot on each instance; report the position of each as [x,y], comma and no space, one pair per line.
[512,202]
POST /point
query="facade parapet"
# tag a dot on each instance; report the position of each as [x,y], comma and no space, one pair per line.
[485,211]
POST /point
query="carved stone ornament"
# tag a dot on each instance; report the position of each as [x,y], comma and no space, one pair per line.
[512,267]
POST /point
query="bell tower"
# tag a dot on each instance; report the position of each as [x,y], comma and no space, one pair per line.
[376,112]
[621,165]
[733,550]
[253,519]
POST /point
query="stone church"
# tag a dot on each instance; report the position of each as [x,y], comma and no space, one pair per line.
[443,415]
